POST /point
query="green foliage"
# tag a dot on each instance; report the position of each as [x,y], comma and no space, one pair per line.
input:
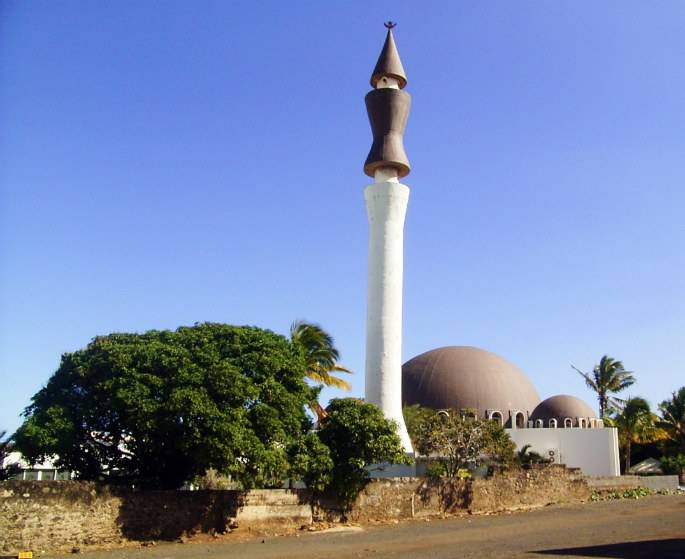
[320,353]
[358,435]
[526,457]
[310,460]
[435,470]
[162,407]
[213,480]
[635,493]
[9,470]
[499,447]
[463,441]
[434,432]
[673,418]
[673,464]
[415,416]
[636,424]
[607,378]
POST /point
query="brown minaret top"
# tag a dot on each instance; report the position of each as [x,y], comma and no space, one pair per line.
[389,63]
[388,109]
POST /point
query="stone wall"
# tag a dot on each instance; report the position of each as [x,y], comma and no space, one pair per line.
[524,488]
[397,498]
[58,516]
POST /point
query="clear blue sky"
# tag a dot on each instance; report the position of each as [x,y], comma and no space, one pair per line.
[163,163]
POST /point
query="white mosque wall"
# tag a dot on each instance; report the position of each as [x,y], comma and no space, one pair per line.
[594,451]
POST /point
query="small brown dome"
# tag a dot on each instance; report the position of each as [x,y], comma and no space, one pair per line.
[561,407]
[460,377]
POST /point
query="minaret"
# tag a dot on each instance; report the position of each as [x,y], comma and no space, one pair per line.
[386,205]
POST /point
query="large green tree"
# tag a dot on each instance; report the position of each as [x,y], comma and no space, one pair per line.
[607,378]
[673,418]
[162,407]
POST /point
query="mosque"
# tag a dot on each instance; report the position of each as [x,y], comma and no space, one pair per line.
[562,428]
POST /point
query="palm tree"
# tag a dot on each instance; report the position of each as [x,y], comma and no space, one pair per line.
[673,418]
[609,377]
[321,357]
[636,425]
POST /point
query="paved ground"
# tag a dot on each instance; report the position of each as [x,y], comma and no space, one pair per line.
[625,529]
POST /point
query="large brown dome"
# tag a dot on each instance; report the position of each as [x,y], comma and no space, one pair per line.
[460,377]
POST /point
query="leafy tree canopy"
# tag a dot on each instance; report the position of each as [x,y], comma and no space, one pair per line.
[358,435]
[462,440]
[673,418]
[162,407]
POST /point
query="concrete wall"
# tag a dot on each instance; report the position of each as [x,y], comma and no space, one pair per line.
[594,451]
[620,483]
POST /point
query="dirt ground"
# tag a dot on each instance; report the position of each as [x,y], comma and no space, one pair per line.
[624,529]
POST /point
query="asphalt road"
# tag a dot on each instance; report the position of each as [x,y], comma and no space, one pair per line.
[652,527]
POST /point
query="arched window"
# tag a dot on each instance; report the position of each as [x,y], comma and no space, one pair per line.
[600,424]
[496,416]
[444,413]
[581,422]
[552,423]
[568,423]
[593,423]
[539,424]
[520,420]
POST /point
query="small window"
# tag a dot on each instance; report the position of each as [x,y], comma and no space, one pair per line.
[581,422]
[552,423]
[520,420]
[539,423]
[496,416]
[568,423]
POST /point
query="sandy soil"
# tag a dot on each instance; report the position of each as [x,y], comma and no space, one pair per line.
[624,529]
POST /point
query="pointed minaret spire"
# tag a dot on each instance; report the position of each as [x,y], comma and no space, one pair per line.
[389,63]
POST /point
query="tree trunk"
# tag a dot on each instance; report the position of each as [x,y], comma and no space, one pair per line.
[627,457]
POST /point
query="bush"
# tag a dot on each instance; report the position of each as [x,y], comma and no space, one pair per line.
[357,435]
[463,441]
[673,464]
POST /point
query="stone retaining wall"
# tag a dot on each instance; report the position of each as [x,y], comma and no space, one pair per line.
[61,515]
[398,498]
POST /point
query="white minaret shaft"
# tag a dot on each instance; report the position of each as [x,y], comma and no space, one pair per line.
[386,205]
